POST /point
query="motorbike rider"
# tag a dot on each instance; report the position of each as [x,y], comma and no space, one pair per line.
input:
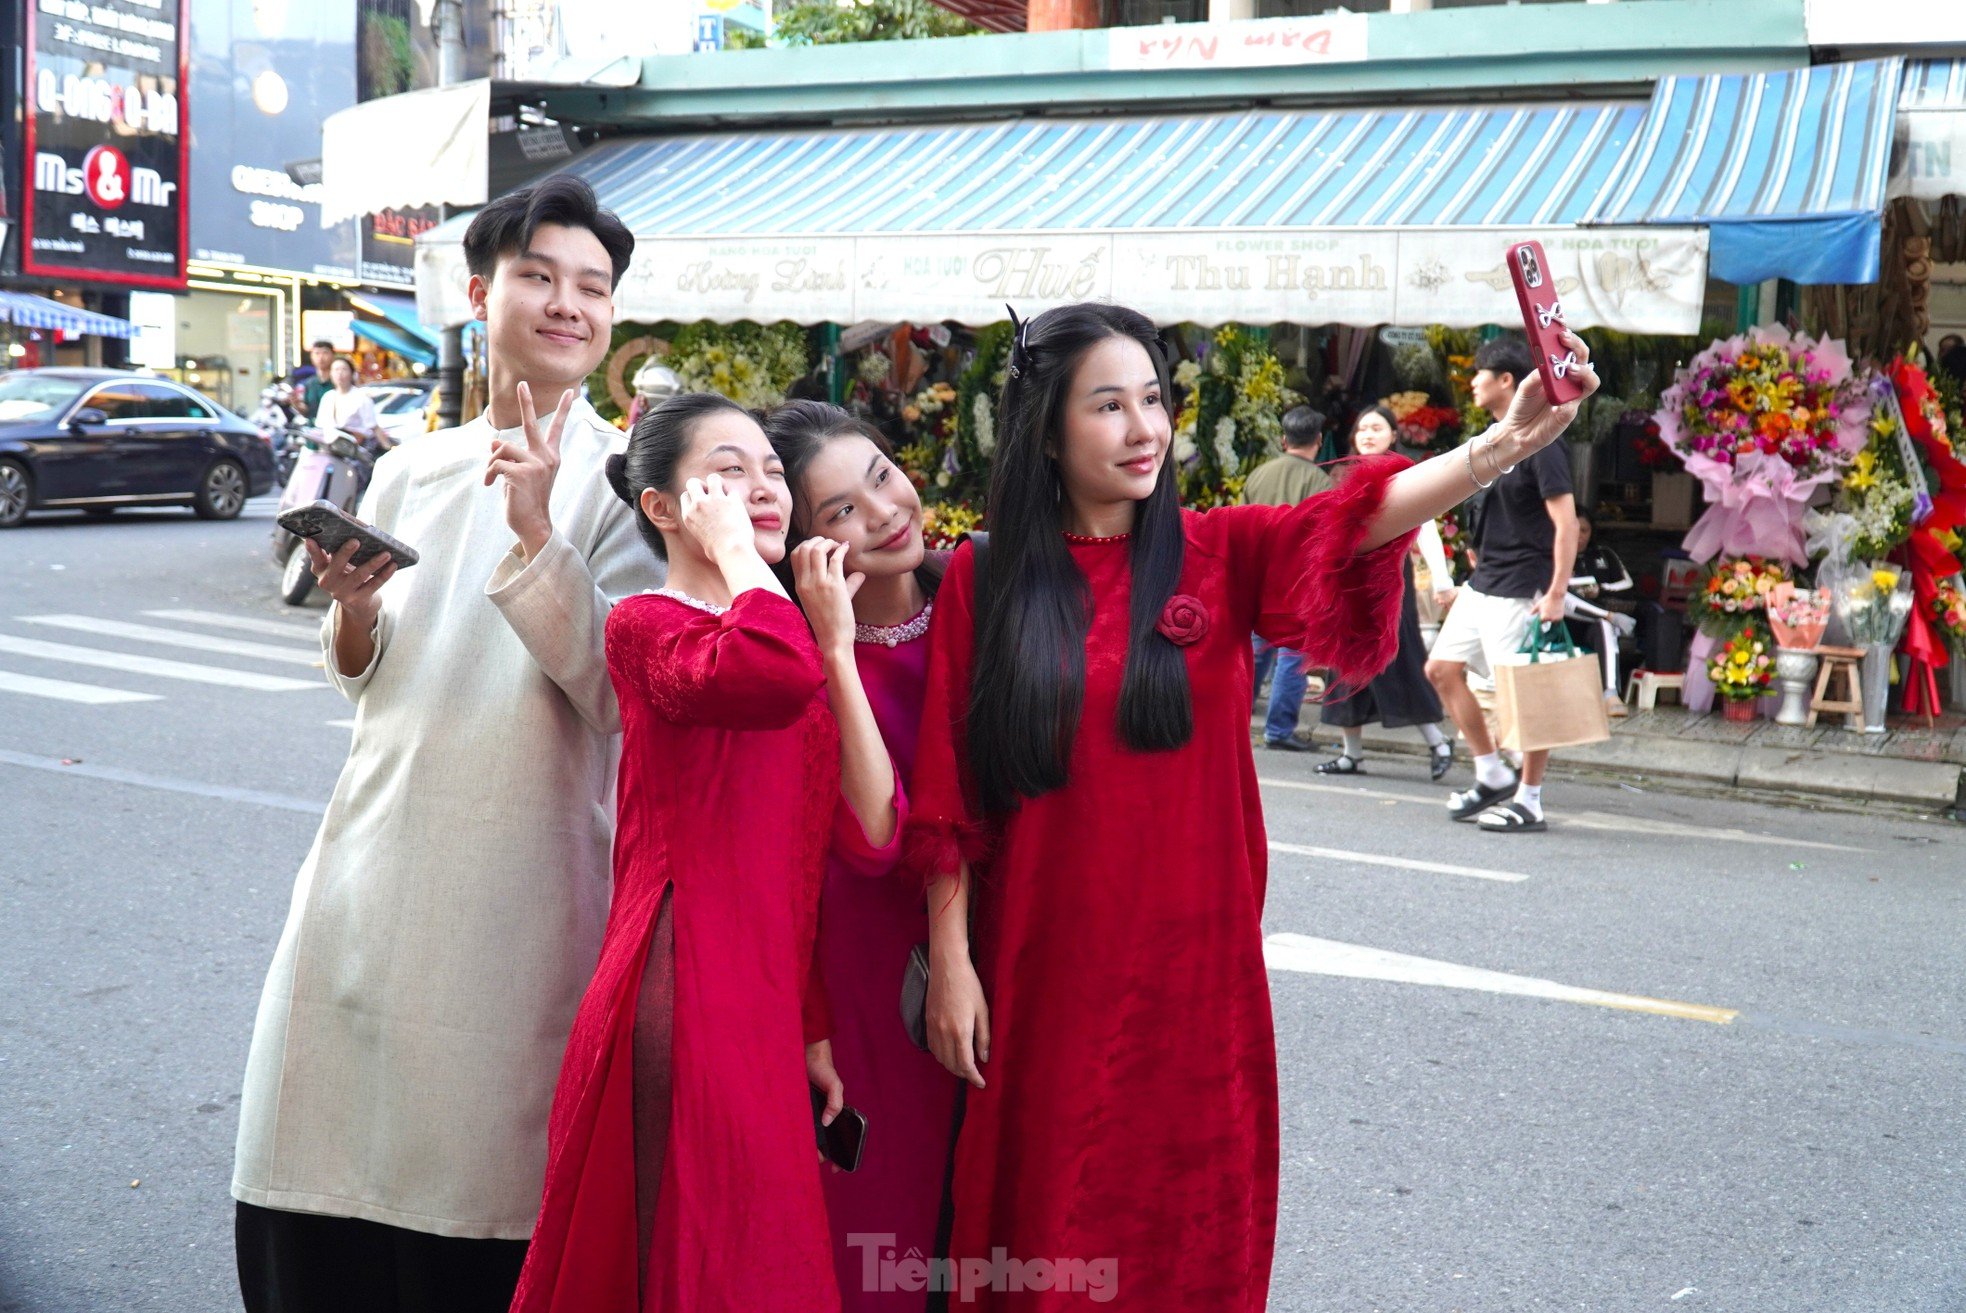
[351,411]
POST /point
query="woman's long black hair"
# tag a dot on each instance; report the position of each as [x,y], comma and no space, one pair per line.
[798,430]
[1027,690]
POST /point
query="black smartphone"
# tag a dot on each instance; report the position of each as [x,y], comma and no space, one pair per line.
[330,526]
[843,1140]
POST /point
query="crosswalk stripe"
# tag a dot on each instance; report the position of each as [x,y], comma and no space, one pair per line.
[1329,957]
[1399,863]
[244,623]
[61,690]
[178,638]
[130,663]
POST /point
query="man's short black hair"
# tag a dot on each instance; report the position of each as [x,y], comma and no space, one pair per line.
[505,227]
[320,344]
[1505,355]
[1302,427]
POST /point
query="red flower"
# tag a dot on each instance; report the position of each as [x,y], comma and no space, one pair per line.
[1184,621]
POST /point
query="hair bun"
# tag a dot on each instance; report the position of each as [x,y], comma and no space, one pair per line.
[617,470]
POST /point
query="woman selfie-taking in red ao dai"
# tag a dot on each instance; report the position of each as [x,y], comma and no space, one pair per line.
[1086,812]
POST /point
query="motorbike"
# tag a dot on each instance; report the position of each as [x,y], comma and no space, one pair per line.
[279,422]
[329,466]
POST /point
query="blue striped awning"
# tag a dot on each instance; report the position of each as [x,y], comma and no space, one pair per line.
[1931,161]
[1934,84]
[1268,169]
[391,338]
[399,311]
[26,310]
[1787,169]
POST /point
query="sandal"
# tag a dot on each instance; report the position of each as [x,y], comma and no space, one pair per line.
[1342,764]
[1472,802]
[1443,761]
[1510,818]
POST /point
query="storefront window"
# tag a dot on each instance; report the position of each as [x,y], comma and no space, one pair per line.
[225,346]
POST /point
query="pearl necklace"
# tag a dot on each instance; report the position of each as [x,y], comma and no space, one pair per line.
[687,600]
[895,635]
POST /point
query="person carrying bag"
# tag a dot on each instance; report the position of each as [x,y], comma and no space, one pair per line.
[1548,696]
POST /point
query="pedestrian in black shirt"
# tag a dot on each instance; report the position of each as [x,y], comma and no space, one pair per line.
[1525,546]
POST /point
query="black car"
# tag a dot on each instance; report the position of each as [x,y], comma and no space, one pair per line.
[96,439]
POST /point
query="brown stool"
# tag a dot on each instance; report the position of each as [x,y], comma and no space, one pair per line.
[1843,661]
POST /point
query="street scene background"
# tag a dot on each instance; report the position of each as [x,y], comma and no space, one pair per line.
[1449,1142]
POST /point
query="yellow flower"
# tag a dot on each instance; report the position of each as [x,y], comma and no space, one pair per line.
[1863,472]
[1885,580]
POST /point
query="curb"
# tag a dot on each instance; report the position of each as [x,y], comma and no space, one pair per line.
[1926,786]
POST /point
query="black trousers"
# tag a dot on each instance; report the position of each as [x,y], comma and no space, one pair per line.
[312,1263]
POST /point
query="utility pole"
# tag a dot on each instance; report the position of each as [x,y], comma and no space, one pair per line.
[449,19]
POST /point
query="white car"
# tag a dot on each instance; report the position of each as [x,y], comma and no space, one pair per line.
[399,404]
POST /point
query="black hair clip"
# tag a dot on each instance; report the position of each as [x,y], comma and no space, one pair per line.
[1019,353]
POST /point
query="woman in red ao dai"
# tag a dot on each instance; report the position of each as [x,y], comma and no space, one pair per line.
[681,1173]
[856,517]
[1086,755]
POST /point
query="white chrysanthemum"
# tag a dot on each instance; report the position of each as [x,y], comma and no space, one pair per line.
[1225,442]
[986,424]
[1184,446]
[1187,374]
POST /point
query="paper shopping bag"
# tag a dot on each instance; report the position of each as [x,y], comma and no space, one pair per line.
[1550,695]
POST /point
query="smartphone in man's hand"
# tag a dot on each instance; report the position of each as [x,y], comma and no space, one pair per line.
[328,526]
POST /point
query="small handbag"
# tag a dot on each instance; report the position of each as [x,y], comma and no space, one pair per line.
[914,996]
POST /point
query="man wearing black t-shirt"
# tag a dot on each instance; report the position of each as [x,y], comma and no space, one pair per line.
[1525,546]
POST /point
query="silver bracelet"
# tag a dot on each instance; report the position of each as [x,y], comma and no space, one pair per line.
[1496,461]
[1472,476]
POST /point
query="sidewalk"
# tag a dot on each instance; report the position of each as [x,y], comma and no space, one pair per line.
[1908,767]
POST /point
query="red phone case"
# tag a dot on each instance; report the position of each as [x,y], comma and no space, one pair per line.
[1542,321]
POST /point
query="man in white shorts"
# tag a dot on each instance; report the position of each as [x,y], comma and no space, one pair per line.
[1525,545]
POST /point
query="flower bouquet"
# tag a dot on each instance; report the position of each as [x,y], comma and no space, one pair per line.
[945,523]
[1798,617]
[1873,602]
[1763,420]
[1652,452]
[1742,669]
[1420,422]
[1948,610]
[1735,590]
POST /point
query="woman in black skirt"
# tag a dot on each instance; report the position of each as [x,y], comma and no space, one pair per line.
[1401,695]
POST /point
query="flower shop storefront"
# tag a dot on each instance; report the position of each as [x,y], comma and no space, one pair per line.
[1272,244]
[1824,563]
[1277,247]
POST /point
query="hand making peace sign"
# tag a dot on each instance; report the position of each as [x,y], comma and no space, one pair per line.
[529,469]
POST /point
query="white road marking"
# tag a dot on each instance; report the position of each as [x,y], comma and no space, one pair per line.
[1328,957]
[94,695]
[244,623]
[1580,820]
[177,638]
[116,775]
[132,664]
[1400,863]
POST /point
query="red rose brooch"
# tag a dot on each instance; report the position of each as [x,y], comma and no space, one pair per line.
[1184,621]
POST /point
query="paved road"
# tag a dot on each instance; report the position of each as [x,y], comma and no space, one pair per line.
[1679,1053]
